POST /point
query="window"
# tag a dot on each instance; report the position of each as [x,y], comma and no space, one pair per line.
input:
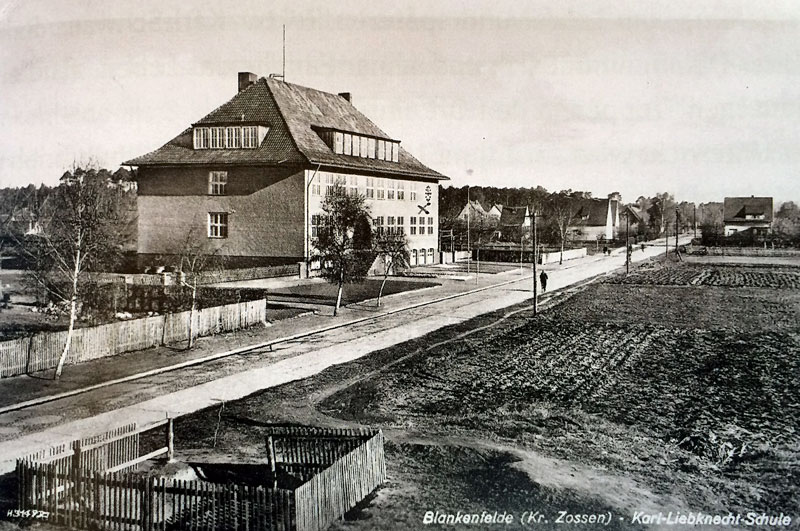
[352,185]
[370,188]
[217,224]
[378,222]
[315,187]
[338,143]
[390,225]
[233,137]
[348,144]
[382,149]
[395,152]
[413,192]
[216,182]
[381,191]
[414,257]
[422,256]
[390,189]
[217,137]
[413,220]
[430,255]
[329,183]
[250,137]
[430,229]
[201,137]
[413,229]
[371,144]
[421,220]
[401,190]
[400,228]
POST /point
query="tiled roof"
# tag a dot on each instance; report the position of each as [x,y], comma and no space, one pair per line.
[513,216]
[737,209]
[589,212]
[291,112]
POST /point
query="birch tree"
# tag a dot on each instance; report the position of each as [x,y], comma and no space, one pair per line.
[77,234]
[393,248]
[343,244]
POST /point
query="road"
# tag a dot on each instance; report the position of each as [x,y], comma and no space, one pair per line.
[179,392]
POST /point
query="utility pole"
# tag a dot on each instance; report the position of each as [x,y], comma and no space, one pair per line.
[627,243]
[666,239]
[469,249]
[677,217]
[535,297]
[695,219]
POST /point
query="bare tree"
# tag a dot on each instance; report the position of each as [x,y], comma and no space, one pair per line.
[562,214]
[195,259]
[77,234]
[393,248]
[344,240]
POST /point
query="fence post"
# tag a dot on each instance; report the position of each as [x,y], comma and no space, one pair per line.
[271,455]
[170,441]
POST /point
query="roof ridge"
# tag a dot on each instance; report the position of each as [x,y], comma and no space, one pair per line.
[285,123]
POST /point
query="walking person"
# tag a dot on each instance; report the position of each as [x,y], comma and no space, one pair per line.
[543,280]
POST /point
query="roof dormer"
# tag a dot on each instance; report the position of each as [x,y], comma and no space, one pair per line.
[359,145]
[228,136]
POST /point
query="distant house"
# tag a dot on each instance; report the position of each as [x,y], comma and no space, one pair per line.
[495,212]
[747,213]
[594,219]
[518,217]
[475,211]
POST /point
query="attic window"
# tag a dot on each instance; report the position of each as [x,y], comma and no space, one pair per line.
[230,137]
[363,146]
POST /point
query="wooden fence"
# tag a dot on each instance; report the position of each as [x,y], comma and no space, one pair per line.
[41,351]
[349,479]
[337,469]
[752,251]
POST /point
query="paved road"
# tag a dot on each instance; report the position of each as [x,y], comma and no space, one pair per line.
[149,400]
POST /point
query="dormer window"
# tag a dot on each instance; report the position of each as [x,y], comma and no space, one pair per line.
[229,137]
[364,146]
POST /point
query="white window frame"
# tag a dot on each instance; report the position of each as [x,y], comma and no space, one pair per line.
[370,188]
[412,195]
[338,143]
[201,140]
[381,189]
[250,136]
[233,137]
[217,182]
[401,191]
[218,225]
[348,144]
[390,189]
[381,149]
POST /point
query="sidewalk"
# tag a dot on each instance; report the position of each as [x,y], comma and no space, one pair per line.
[148,400]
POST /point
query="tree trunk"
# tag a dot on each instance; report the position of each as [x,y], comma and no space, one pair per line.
[561,255]
[338,299]
[383,284]
[73,314]
[192,313]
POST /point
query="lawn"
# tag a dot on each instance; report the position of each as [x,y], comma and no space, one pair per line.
[629,396]
[325,293]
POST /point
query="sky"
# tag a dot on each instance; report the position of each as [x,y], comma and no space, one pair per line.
[699,99]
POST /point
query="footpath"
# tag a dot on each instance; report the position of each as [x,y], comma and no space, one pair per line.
[301,347]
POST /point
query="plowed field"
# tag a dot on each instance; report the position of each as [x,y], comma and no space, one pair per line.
[666,393]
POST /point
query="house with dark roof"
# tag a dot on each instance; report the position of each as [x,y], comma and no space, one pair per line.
[474,210]
[747,213]
[248,179]
[518,217]
[595,219]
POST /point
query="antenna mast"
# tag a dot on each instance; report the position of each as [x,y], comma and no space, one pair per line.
[284,53]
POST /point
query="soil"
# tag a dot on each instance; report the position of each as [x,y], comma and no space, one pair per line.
[654,392]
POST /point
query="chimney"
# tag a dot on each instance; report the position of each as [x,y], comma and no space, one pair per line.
[246,79]
[614,196]
[347,96]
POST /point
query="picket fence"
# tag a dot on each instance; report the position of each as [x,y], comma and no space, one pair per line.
[41,351]
[338,468]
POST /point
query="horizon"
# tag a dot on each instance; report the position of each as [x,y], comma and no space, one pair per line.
[697,101]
